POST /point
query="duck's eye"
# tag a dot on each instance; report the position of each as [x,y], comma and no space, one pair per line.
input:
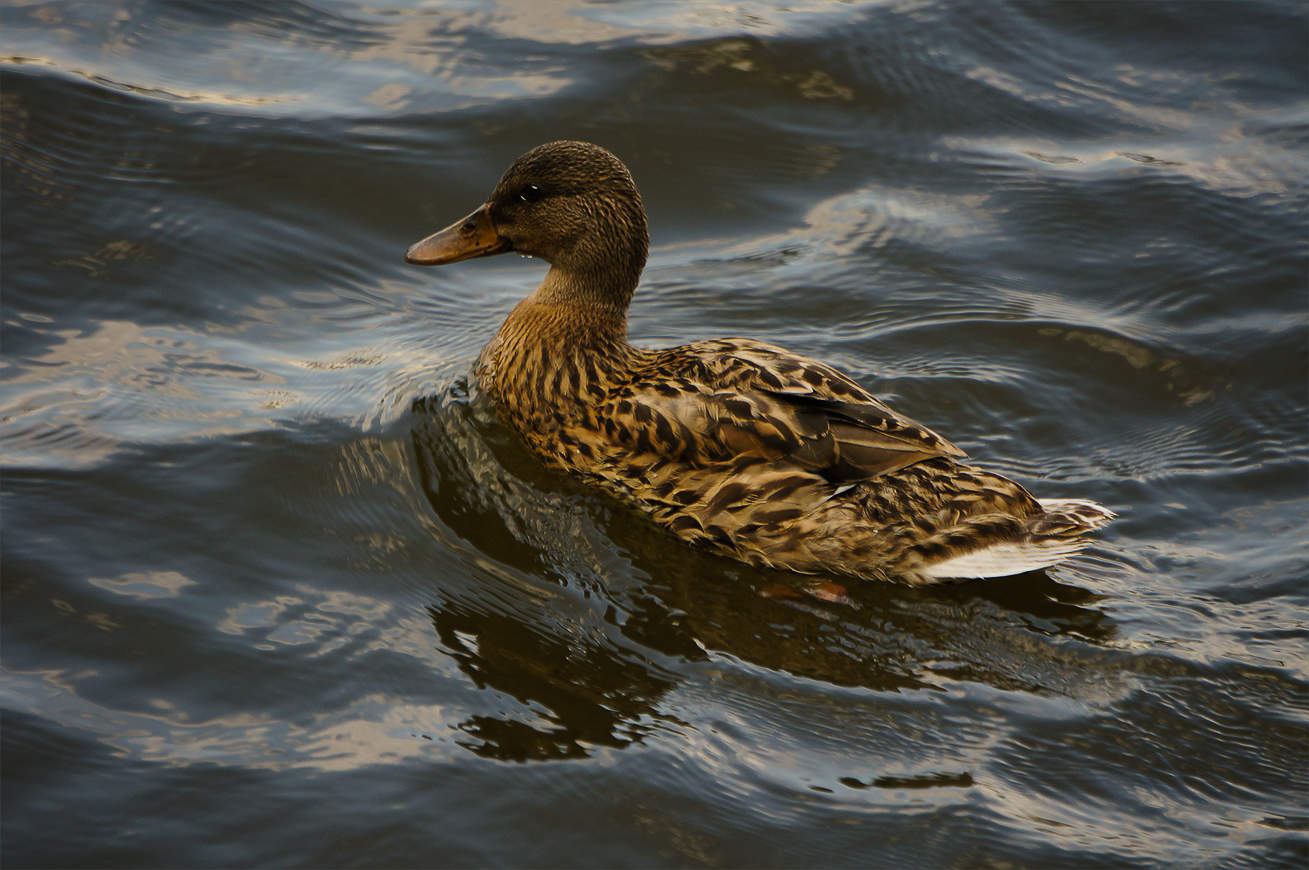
[530,193]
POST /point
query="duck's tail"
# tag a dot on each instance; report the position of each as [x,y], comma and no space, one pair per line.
[1048,538]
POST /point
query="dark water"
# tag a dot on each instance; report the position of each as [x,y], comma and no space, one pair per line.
[277,592]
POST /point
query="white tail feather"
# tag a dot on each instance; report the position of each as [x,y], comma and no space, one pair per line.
[1003,559]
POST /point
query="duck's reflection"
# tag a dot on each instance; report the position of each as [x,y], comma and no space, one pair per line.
[572,695]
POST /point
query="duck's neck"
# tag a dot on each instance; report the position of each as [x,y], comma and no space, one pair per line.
[598,297]
[559,349]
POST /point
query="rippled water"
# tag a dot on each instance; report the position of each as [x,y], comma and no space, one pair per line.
[278,591]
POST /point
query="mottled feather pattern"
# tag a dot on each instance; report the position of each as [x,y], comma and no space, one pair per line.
[812,474]
[733,444]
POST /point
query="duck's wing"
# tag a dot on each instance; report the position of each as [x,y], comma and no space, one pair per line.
[722,400]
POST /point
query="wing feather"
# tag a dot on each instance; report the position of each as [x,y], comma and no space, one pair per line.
[728,400]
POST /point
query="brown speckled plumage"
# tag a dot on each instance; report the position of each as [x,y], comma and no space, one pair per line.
[733,444]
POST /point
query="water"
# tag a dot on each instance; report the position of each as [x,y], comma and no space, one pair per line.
[278,592]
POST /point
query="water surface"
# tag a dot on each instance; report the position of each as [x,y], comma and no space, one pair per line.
[278,591]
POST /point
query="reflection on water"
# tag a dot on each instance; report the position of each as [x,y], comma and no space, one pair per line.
[278,590]
[571,695]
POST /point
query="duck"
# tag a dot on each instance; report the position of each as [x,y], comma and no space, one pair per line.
[734,445]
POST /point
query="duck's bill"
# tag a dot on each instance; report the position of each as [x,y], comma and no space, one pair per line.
[472,236]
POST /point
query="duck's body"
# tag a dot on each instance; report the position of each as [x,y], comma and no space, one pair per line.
[737,445]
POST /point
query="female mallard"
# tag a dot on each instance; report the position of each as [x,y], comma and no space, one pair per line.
[749,449]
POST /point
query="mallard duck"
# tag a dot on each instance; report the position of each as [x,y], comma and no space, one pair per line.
[742,447]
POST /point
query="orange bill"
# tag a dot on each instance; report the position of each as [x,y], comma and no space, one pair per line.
[472,236]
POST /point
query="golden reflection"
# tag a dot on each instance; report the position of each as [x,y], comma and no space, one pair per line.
[1177,379]
[375,728]
[96,265]
[681,21]
[743,56]
[252,615]
[842,225]
[47,14]
[154,92]
[439,42]
[1233,164]
[351,360]
[123,353]
[32,168]
[92,389]
[372,730]
[277,399]
[390,96]
[819,85]
[145,584]
[96,619]
[434,43]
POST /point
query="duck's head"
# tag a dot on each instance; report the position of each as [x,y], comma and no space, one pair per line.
[572,204]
